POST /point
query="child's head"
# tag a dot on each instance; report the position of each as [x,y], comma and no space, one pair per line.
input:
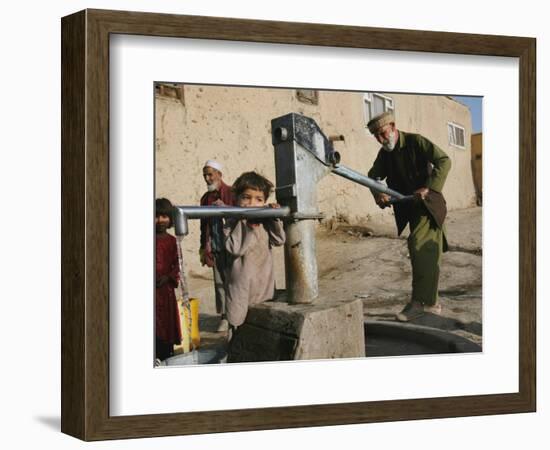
[252,189]
[163,213]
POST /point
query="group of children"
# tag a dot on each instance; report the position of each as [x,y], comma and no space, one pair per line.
[249,275]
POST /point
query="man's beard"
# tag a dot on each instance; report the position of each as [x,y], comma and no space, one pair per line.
[212,187]
[389,144]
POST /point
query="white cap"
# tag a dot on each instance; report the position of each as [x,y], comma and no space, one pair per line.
[214,164]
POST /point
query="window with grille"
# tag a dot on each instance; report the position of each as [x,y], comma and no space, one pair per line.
[456,135]
[375,104]
[171,90]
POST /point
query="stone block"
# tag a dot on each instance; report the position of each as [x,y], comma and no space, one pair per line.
[277,331]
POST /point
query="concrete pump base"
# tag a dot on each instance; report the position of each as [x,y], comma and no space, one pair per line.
[277,331]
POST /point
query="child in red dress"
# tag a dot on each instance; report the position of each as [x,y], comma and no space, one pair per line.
[167,318]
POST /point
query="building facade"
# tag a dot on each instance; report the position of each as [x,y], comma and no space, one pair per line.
[194,123]
[477,166]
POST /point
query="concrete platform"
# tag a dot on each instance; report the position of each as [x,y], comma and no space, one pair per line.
[277,331]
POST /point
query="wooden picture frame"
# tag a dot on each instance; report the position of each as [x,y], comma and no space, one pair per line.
[85,224]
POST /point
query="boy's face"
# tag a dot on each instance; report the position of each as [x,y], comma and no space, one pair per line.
[162,222]
[251,197]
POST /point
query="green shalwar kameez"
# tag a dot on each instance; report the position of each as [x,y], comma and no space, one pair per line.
[415,162]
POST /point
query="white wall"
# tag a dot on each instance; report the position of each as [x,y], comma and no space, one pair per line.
[30,242]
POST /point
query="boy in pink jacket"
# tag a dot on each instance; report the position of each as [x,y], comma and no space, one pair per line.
[250,278]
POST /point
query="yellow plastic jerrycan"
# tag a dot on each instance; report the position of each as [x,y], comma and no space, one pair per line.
[190,325]
[195,333]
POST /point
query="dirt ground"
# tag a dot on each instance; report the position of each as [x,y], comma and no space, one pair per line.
[371,263]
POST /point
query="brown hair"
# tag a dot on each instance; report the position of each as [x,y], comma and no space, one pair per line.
[252,180]
[164,207]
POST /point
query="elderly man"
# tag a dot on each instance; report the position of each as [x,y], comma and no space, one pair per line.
[212,249]
[411,164]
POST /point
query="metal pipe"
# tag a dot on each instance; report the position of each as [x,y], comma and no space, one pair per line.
[180,223]
[200,212]
[357,177]
[182,213]
[301,262]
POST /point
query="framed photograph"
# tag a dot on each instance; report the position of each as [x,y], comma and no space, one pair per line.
[122,71]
